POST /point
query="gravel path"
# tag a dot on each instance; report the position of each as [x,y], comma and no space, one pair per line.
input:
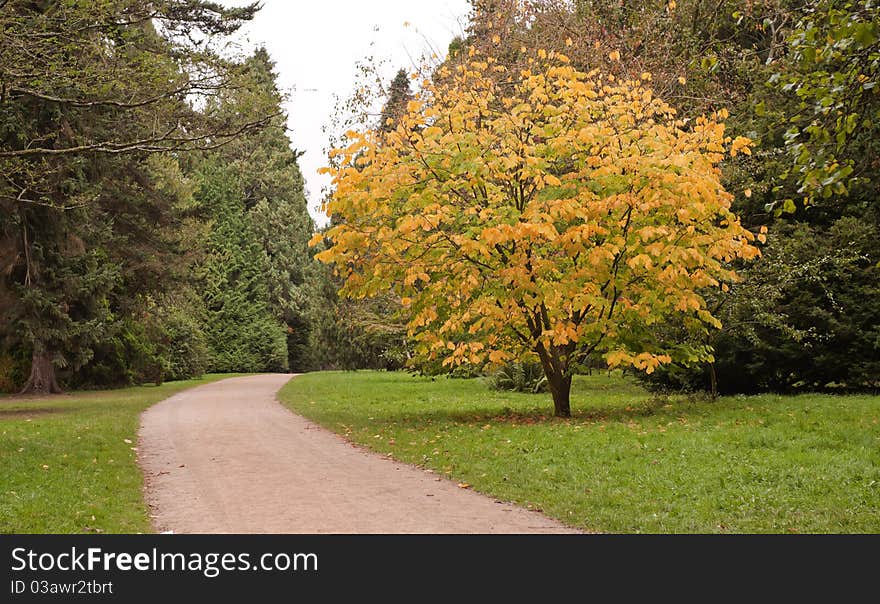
[228,458]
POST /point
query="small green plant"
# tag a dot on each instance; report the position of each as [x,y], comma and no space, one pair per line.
[519,376]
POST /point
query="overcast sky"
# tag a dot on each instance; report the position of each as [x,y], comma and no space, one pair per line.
[316,45]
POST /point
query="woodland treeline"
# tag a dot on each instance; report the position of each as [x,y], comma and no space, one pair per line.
[154,224]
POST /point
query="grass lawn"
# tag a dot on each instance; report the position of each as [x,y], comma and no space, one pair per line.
[626,461]
[68,464]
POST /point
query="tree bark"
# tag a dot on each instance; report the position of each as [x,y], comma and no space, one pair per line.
[42,379]
[557,379]
[560,390]
[713,381]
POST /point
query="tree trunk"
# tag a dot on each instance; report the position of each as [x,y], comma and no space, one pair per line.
[559,382]
[713,381]
[42,379]
[560,389]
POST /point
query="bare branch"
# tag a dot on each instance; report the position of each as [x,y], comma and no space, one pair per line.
[153,145]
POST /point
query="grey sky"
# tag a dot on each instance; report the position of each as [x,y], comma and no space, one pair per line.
[316,45]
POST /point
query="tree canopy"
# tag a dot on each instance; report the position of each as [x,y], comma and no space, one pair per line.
[554,213]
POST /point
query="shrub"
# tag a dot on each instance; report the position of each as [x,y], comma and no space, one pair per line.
[803,318]
[519,376]
[14,366]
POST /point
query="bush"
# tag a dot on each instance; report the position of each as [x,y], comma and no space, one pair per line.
[14,370]
[163,342]
[519,376]
[184,352]
[254,345]
[803,318]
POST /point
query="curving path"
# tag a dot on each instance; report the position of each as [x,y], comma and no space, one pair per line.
[228,458]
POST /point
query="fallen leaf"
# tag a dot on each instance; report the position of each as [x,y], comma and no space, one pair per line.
[463,485]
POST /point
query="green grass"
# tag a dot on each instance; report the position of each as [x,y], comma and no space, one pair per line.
[67,461]
[626,461]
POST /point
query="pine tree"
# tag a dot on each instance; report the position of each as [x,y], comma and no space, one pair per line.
[103,90]
[399,94]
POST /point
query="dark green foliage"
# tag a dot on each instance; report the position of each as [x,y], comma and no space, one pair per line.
[147,266]
[354,334]
[253,279]
[162,342]
[242,332]
[804,318]
[14,366]
[181,341]
[399,94]
[832,70]
[520,376]
[90,213]
[129,356]
[62,293]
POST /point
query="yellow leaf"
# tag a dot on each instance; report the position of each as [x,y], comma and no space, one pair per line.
[614,55]
[498,356]
[747,192]
[740,144]
[617,357]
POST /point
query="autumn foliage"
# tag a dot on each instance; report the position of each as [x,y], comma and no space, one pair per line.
[548,212]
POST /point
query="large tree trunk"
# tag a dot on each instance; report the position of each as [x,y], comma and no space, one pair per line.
[42,379]
[560,389]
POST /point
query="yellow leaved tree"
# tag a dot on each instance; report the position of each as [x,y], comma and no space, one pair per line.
[547,213]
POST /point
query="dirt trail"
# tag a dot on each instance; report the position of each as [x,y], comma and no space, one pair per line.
[228,458]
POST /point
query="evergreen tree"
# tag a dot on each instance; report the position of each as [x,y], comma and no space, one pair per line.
[242,332]
[102,90]
[399,94]
[252,193]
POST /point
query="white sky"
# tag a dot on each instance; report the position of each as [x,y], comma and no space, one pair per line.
[316,44]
